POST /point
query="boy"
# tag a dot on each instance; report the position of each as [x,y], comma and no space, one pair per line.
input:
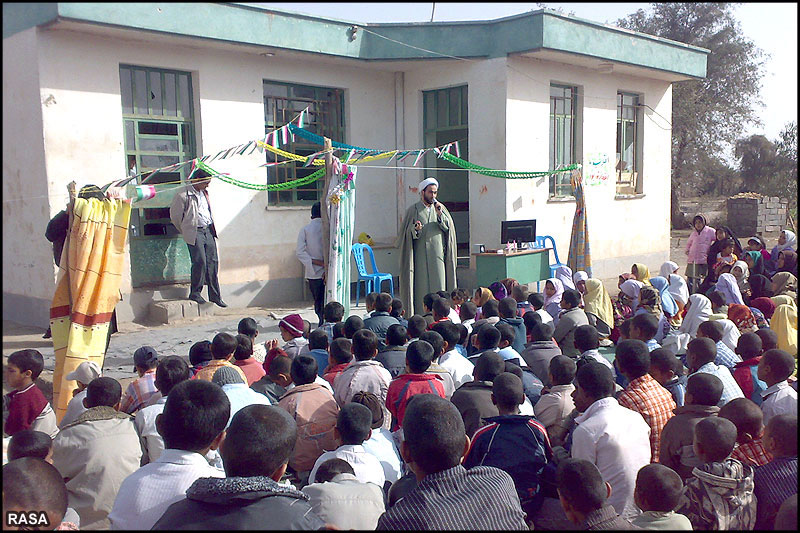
[540,351]
[339,357]
[713,330]
[27,406]
[440,312]
[719,495]
[769,339]
[369,303]
[247,326]
[587,340]
[643,394]
[452,360]
[273,385]
[416,327]
[380,320]
[255,452]
[351,325]
[467,314]
[199,356]
[452,311]
[779,398]
[748,418]
[520,295]
[583,495]
[353,427]
[570,318]
[32,484]
[668,371]
[238,393]
[142,389]
[536,299]
[380,443]
[83,375]
[318,349]
[414,381]
[253,370]
[31,443]
[332,313]
[291,328]
[192,423]
[556,402]
[512,442]
[703,392]
[777,480]
[398,312]
[222,349]
[530,320]
[437,342]
[657,493]
[393,355]
[700,355]
[458,297]
[749,348]
[506,346]
[507,308]
[473,399]
[644,327]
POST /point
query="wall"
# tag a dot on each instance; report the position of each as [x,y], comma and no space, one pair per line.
[28,267]
[620,230]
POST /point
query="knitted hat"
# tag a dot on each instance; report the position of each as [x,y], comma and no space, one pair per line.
[293,324]
[370,400]
[226,375]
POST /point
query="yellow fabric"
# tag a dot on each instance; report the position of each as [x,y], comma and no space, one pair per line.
[784,283]
[784,324]
[87,289]
[784,299]
[598,302]
[642,273]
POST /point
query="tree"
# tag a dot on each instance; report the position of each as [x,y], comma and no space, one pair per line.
[758,159]
[707,114]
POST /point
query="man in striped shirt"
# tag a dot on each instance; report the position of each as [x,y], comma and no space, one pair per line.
[643,393]
[447,495]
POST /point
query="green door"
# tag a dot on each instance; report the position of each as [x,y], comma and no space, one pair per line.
[158,118]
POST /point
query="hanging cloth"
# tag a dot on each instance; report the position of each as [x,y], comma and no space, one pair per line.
[580,255]
[340,202]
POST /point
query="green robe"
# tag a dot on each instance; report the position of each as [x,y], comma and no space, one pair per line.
[428,256]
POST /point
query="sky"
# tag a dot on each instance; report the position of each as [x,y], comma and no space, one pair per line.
[771,26]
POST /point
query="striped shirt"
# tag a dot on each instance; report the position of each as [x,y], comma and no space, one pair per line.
[774,482]
[726,356]
[648,398]
[730,389]
[139,392]
[752,453]
[482,497]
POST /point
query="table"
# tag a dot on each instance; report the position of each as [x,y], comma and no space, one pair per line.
[525,266]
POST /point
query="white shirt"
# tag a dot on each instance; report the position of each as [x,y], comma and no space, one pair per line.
[366,466]
[617,441]
[459,367]
[453,316]
[75,409]
[145,421]
[468,324]
[381,445]
[554,406]
[526,408]
[144,496]
[319,380]
[546,317]
[779,399]
[309,246]
[203,210]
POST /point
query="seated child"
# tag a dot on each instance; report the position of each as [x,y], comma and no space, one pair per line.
[339,356]
[398,312]
[507,337]
[556,401]
[141,390]
[415,380]
[437,342]
[714,330]
[644,327]
[700,355]
[273,385]
[769,339]
[668,371]
[776,481]
[318,349]
[584,496]
[31,443]
[570,318]
[332,314]
[749,348]
[530,320]
[32,484]
[730,482]
[244,359]
[467,314]
[199,356]
[747,418]
[658,490]
[774,369]
[27,406]
[247,326]
[536,299]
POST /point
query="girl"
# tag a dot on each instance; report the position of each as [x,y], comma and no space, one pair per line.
[765,305]
[697,248]
[728,287]
[741,273]
[787,262]
[564,273]
[784,283]
[641,272]
[598,306]
[579,278]
[755,262]
[760,286]
[784,323]
[553,290]
[623,307]
[481,296]
[743,318]
[677,286]
[757,244]
[668,303]
[698,311]
[786,241]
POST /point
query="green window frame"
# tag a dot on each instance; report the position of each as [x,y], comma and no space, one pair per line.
[628,160]
[282,103]
[562,152]
[158,123]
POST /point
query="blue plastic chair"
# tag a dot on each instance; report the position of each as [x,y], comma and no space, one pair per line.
[541,242]
[370,280]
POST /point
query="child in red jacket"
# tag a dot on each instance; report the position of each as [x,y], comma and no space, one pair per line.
[419,355]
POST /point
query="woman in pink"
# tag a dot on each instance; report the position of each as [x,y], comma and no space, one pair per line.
[697,251]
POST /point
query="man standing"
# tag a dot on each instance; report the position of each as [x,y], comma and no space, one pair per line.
[427,247]
[190,212]
[309,252]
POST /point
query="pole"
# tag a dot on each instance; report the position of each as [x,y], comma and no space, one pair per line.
[326,223]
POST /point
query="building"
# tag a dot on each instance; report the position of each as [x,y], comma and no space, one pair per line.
[92,91]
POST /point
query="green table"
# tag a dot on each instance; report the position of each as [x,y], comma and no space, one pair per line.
[525,266]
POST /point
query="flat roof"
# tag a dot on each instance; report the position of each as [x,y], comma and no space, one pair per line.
[247,24]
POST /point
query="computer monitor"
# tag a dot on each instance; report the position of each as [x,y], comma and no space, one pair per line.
[518,231]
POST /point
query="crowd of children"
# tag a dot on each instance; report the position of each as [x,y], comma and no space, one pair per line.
[671,406]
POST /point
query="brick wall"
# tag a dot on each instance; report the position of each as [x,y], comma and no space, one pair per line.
[751,215]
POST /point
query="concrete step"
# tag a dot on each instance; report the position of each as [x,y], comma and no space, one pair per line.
[177,310]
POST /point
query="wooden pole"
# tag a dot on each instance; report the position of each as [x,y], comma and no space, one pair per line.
[326,223]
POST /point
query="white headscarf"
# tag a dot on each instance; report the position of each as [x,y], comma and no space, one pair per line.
[564,273]
[791,242]
[427,181]
[730,333]
[741,281]
[699,311]
[726,284]
[677,285]
[580,275]
[631,288]
[555,298]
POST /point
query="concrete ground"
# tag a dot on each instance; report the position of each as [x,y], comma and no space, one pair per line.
[176,339]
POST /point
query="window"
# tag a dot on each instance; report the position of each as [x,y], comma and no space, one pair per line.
[563,150]
[282,103]
[628,164]
[445,120]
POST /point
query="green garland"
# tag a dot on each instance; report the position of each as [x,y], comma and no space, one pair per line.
[266,187]
[501,173]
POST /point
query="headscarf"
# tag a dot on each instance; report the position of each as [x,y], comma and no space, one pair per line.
[699,311]
[782,299]
[730,333]
[484,295]
[761,320]
[741,279]
[555,298]
[726,284]
[564,273]
[642,273]
[580,275]
[758,262]
[743,318]
[509,284]
[784,324]
[598,302]
[631,288]
[737,246]
[668,303]
[650,300]
[791,242]
[625,276]
[789,262]
[760,286]
[765,305]
[498,290]
[785,283]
